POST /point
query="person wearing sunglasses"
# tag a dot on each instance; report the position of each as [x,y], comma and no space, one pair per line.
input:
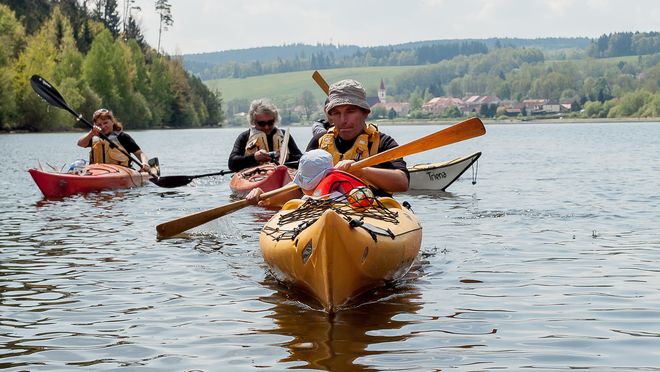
[261,143]
[350,138]
[104,122]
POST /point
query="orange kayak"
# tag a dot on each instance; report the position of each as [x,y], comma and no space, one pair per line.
[268,177]
[93,177]
[336,252]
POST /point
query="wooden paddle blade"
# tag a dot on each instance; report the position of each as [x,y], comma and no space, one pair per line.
[174,227]
[321,82]
[169,229]
[466,129]
[284,149]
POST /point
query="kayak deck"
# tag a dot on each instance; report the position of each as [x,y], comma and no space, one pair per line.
[439,176]
[337,253]
[268,177]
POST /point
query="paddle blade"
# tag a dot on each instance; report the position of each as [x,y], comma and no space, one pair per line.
[46,91]
[172,181]
[284,149]
[321,82]
[466,129]
[174,227]
[176,181]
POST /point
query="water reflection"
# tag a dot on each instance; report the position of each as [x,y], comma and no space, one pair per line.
[336,342]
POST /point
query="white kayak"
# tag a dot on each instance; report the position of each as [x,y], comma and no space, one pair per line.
[438,176]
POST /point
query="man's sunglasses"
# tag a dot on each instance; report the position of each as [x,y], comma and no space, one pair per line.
[264,123]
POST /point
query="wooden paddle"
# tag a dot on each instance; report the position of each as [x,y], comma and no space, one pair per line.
[321,82]
[48,92]
[284,149]
[466,129]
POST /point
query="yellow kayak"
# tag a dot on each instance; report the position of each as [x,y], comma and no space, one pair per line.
[336,252]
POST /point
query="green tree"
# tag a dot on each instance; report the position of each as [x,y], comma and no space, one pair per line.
[378,112]
[42,55]
[452,112]
[630,104]
[12,38]
[651,108]
[391,114]
[416,100]
[308,103]
[100,71]
[161,93]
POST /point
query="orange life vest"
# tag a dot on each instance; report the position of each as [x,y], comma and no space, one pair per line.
[360,148]
[103,153]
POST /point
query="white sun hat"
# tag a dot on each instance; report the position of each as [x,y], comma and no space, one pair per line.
[313,166]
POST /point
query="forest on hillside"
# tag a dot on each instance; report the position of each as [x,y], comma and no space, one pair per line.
[613,87]
[620,87]
[301,57]
[94,61]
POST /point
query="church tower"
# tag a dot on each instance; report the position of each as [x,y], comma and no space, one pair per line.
[381,91]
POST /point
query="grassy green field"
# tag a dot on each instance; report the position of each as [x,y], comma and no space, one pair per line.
[288,87]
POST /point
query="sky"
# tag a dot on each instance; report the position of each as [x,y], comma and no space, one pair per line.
[215,25]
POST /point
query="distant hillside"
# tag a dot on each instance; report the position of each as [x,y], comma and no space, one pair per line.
[268,54]
[547,43]
[288,52]
[301,57]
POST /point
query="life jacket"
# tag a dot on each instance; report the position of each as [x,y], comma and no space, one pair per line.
[103,153]
[259,141]
[365,145]
[337,181]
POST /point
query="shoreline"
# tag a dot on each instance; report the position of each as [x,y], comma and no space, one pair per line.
[413,122]
[518,121]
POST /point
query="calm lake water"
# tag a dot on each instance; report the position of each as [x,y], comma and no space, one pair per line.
[550,262]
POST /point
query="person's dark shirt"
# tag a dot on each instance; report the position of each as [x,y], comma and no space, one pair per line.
[239,161]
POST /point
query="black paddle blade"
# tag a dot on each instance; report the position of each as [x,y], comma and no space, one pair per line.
[46,91]
[172,181]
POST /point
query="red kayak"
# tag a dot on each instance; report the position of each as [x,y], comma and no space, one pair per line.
[93,177]
[268,177]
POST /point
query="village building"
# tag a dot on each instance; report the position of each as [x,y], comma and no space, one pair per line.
[380,102]
[473,103]
[437,105]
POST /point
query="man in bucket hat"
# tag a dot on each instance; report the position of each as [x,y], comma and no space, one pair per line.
[351,139]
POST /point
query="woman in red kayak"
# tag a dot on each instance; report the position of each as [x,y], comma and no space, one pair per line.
[102,152]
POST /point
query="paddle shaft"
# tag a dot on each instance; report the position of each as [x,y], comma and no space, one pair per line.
[177,181]
[321,82]
[464,130]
